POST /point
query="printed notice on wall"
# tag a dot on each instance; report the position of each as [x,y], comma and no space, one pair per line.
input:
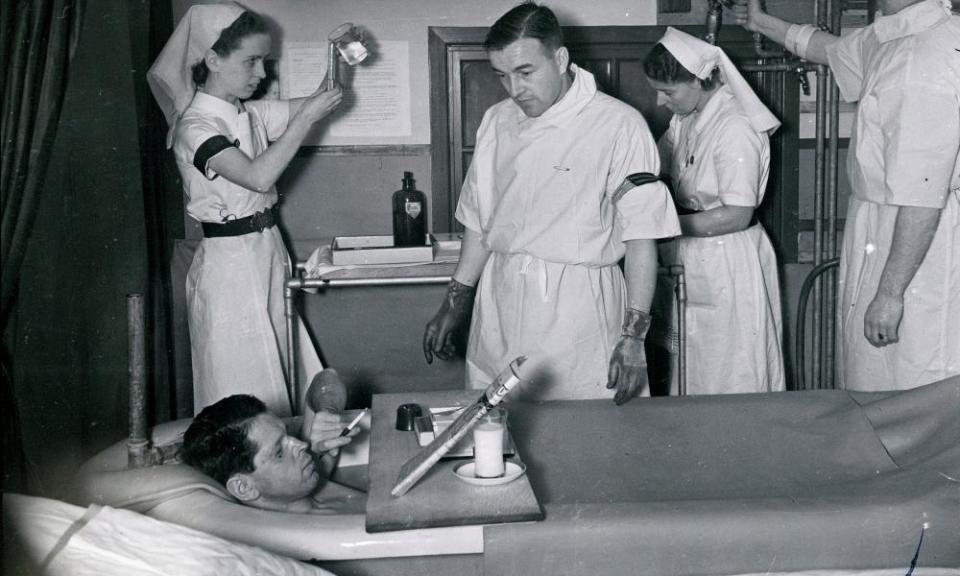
[302,68]
[376,99]
[377,94]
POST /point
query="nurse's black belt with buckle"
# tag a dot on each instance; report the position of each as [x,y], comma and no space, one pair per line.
[238,227]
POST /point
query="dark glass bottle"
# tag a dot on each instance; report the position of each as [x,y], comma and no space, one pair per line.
[409,214]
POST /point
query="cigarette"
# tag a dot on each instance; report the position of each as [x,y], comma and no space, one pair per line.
[354,422]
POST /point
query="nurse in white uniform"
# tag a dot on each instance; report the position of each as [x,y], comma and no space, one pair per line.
[717,152]
[899,312]
[211,64]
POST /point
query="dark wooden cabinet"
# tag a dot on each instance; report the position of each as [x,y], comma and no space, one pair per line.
[463,86]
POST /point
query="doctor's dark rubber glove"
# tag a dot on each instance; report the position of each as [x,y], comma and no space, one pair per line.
[628,364]
[449,323]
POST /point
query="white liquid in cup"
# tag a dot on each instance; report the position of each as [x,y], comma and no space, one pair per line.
[488,449]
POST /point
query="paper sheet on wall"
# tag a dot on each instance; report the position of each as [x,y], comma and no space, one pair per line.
[378,95]
[302,68]
[376,101]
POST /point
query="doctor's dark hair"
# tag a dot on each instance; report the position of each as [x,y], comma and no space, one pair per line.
[528,20]
[217,442]
[247,24]
[660,65]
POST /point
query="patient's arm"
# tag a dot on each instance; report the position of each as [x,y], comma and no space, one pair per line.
[336,498]
[309,536]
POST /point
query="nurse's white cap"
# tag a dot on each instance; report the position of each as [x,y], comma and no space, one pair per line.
[700,58]
[170,77]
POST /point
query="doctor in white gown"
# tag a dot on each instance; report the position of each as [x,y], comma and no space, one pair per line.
[549,213]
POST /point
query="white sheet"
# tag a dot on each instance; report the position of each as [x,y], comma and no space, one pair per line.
[119,543]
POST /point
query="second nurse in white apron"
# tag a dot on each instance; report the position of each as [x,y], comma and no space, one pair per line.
[717,152]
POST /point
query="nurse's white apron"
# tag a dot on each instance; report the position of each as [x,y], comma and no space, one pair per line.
[237,325]
[734,324]
[733,318]
[564,318]
[929,346]
[235,305]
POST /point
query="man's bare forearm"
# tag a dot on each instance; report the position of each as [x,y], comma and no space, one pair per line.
[716,221]
[473,257]
[912,235]
[640,272]
[750,15]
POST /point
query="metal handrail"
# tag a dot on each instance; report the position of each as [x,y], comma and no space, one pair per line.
[802,315]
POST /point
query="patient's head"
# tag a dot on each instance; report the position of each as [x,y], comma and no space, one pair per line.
[237,442]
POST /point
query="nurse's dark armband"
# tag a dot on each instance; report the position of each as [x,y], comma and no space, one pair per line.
[213,146]
[635,180]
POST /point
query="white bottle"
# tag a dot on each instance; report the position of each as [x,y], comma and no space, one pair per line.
[488,445]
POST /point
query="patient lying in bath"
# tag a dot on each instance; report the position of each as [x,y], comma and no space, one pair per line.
[333,527]
[251,452]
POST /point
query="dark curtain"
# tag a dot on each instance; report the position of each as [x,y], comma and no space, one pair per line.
[37,41]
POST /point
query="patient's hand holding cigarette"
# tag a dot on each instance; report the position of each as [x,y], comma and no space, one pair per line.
[323,418]
[325,431]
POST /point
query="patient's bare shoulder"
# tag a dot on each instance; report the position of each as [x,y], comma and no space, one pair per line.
[140,489]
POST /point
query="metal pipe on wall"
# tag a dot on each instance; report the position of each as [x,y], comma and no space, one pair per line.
[790,65]
[830,240]
[290,317]
[714,21]
[680,287]
[831,201]
[137,442]
[818,196]
[826,184]
[826,154]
